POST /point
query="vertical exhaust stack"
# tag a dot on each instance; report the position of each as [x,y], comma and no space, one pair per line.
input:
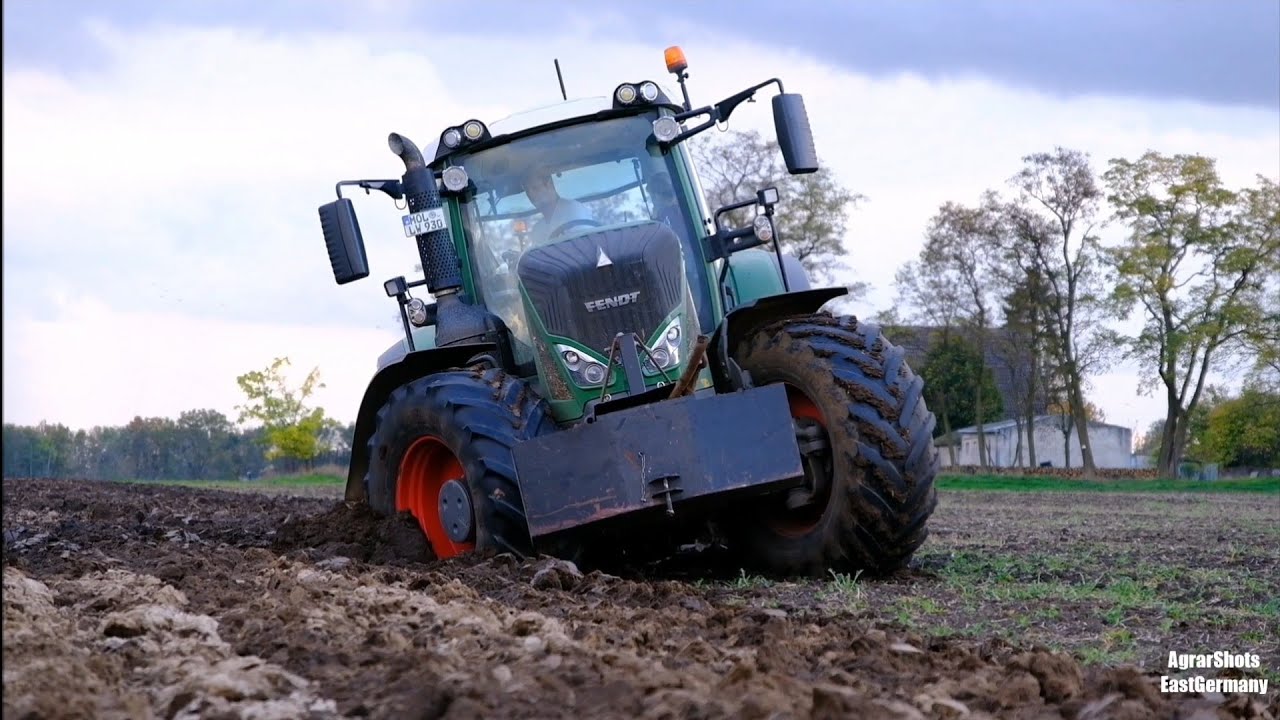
[439,258]
[456,321]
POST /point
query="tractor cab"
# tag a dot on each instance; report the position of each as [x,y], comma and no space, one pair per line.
[582,177]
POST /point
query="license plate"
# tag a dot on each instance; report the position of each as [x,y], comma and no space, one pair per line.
[425,221]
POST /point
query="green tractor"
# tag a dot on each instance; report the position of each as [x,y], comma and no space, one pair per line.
[605,365]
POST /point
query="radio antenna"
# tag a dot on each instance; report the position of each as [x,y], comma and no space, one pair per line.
[561,79]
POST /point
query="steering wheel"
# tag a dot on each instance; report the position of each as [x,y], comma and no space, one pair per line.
[580,222]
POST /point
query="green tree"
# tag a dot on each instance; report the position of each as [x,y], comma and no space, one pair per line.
[1149,443]
[202,438]
[949,373]
[813,208]
[149,448]
[1243,431]
[291,429]
[1261,221]
[1195,265]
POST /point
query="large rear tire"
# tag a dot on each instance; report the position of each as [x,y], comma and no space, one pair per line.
[450,430]
[871,461]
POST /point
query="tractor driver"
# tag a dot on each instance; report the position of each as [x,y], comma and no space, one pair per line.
[666,209]
[557,212]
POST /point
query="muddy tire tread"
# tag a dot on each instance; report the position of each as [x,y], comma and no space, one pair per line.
[886,434]
[480,413]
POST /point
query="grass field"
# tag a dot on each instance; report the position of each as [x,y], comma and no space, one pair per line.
[307,484]
[1051,484]
[1112,577]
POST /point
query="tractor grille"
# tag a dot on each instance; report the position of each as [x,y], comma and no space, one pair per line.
[594,286]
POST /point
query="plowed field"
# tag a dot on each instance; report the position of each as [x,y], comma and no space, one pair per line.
[132,601]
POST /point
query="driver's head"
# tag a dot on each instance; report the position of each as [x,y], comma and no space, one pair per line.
[541,190]
[661,190]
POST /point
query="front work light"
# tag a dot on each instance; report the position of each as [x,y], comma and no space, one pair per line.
[763,228]
[665,128]
[473,129]
[395,286]
[626,94]
[455,178]
[417,312]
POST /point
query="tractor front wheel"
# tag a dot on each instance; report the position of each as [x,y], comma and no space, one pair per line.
[442,451]
[866,441]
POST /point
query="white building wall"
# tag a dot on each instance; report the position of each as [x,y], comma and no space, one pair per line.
[1112,447]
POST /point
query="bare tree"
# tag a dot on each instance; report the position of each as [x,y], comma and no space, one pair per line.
[961,244]
[812,212]
[1021,349]
[933,299]
[1053,218]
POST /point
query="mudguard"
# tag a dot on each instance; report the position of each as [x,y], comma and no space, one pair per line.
[744,320]
[409,368]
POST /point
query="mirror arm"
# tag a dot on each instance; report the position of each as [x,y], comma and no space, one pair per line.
[730,208]
[720,111]
[394,188]
[725,107]
[723,244]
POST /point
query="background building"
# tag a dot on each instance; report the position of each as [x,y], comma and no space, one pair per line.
[1007,444]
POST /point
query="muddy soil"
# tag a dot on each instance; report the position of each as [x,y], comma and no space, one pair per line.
[128,601]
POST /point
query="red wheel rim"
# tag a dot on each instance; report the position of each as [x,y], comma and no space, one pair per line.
[798,522]
[427,465]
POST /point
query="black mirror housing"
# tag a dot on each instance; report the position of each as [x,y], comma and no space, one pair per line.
[795,137]
[343,240]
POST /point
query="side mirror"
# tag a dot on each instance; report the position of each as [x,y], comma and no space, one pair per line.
[343,240]
[794,135]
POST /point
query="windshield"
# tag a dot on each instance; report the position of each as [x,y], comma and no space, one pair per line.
[561,183]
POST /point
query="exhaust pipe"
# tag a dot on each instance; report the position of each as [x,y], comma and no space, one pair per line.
[456,321]
[439,259]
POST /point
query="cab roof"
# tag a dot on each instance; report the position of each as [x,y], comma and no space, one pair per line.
[543,115]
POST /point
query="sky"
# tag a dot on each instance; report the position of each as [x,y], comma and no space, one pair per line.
[163,162]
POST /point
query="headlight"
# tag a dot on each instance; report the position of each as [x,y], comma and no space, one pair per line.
[665,351]
[649,91]
[626,94]
[584,369]
[451,138]
[593,373]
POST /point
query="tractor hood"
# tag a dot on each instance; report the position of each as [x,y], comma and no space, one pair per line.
[586,290]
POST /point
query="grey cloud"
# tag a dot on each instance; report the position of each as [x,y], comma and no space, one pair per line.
[1220,51]
[1213,51]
